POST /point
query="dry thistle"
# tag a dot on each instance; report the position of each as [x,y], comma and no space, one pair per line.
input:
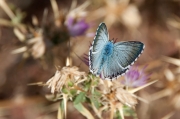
[115,97]
[47,34]
[169,85]
[119,11]
[64,76]
[103,95]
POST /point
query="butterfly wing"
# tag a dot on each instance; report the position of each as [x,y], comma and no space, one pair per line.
[112,69]
[128,52]
[124,55]
[95,52]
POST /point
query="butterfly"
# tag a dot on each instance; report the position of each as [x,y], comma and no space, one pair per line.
[109,59]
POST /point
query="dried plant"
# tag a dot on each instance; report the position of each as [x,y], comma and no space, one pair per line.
[119,11]
[70,84]
[45,35]
[169,85]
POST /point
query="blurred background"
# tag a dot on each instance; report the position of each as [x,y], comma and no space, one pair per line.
[37,35]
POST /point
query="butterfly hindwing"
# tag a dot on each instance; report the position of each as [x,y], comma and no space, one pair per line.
[112,68]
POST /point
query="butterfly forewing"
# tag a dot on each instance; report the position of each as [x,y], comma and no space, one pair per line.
[127,52]
[95,53]
[101,38]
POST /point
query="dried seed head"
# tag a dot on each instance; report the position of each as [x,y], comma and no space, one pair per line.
[114,92]
[38,47]
[62,77]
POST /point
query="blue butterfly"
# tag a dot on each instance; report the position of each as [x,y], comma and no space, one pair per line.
[110,60]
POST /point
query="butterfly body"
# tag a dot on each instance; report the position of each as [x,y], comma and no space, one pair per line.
[110,60]
[106,52]
[108,49]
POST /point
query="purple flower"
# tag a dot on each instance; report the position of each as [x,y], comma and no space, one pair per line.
[135,77]
[76,28]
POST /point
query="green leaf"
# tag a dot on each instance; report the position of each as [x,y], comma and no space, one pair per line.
[129,112]
[83,111]
[87,86]
[60,111]
[80,98]
[95,102]
[118,116]
[97,93]
[70,84]
[73,92]
[65,90]
[61,105]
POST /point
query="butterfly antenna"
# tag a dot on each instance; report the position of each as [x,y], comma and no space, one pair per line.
[85,58]
[90,44]
[86,55]
[115,40]
[100,75]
